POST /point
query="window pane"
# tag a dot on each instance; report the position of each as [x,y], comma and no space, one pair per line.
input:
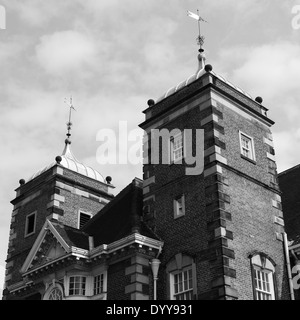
[77,285]
[177,148]
[98,284]
[263,284]
[180,286]
[190,283]
[183,285]
[247,147]
[30,223]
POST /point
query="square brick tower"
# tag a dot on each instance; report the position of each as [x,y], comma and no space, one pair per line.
[223,227]
[66,192]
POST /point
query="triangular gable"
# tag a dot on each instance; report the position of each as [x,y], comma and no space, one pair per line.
[55,251]
[48,246]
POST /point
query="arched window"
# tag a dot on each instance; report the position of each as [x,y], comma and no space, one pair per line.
[181,275]
[263,277]
[54,292]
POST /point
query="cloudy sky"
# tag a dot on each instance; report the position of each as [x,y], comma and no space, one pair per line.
[114,55]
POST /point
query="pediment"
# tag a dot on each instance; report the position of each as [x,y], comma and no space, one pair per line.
[49,246]
[49,250]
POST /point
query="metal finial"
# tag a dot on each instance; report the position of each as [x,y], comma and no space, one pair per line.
[200,38]
[69,123]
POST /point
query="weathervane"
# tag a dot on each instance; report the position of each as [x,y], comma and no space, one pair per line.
[200,38]
[69,123]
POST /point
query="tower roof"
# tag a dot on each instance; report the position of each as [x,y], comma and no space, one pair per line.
[69,161]
[202,69]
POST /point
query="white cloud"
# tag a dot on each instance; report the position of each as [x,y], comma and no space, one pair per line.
[271,68]
[66,51]
[271,71]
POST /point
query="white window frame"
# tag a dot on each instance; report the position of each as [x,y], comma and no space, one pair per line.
[251,149]
[102,282]
[261,264]
[263,287]
[81,289]
[83,212]
[89,284]
[26,233]
[177,265]
[172,150]
[182,291]
[96,272]
[179,206]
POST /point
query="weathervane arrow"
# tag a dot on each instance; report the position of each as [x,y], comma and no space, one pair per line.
[69,124]
[197,17]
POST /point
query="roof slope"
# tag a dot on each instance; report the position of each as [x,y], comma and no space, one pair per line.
[120,218]
[73,237]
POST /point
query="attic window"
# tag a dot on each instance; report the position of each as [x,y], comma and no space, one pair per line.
[83,219]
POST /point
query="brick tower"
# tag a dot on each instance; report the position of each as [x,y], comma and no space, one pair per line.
[66,192]
[222,228]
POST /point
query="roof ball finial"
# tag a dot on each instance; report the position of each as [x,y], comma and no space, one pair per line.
[259,99]
[22,181]
[58,159]
[208,68]
[108,179]
[151,102]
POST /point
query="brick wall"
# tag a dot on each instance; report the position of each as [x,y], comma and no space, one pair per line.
[253,229]
[117,281]
[20,246]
